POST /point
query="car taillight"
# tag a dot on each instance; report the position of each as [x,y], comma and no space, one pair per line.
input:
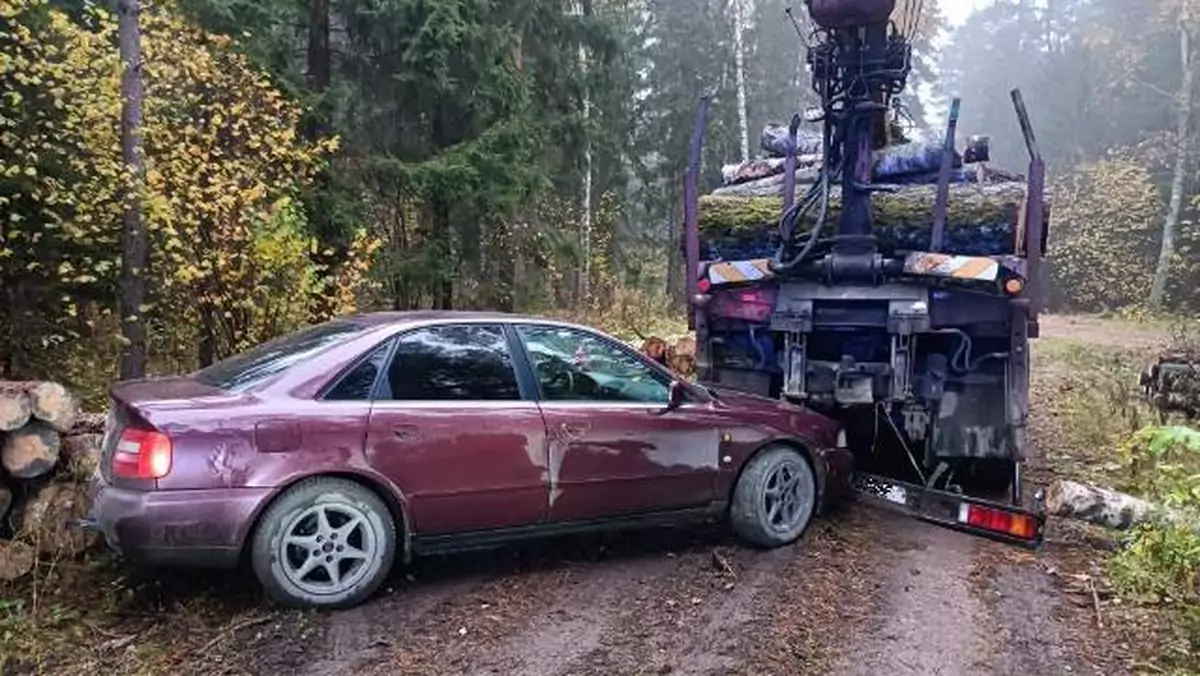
[998,521]
[142,454]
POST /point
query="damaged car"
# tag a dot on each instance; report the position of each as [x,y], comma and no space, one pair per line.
[323,457]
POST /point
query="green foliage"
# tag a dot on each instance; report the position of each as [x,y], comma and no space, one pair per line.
[1163,464]
[1161,559]
[1102,238]
[224,167]
[1159,562]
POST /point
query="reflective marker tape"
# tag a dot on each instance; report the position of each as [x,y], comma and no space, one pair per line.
[739,271]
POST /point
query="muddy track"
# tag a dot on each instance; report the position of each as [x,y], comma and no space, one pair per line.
[862,593]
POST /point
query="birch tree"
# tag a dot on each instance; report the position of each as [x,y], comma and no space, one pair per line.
[135,247]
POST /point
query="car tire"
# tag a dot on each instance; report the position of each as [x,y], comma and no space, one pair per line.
[775,498]
[324,543]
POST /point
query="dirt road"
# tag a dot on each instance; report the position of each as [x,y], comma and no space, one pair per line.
[863,593]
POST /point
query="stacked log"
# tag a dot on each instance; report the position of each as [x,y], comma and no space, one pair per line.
[48,452]
[982,220]
[677,354]
[1171,384]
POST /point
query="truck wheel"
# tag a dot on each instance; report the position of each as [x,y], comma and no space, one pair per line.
[774,499]
[325,543]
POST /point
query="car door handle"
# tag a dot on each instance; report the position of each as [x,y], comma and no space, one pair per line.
[405,432]
[574,431]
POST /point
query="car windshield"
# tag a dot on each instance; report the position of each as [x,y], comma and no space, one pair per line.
[243,371]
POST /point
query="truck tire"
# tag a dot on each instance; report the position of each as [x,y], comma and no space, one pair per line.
[324,543]
[775,498]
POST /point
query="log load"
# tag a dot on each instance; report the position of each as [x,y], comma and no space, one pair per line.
[31,451]
[982,220]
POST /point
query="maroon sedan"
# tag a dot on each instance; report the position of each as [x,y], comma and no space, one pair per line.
[322,455]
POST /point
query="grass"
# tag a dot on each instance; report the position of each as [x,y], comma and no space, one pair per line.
[1086,405]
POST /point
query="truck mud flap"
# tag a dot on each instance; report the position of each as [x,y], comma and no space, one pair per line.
[994,520]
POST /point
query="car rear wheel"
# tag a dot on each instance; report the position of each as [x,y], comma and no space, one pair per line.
[325,543]
[775,498]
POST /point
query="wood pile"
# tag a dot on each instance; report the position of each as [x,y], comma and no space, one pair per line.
[1171,384]
[677,354]
[48,453]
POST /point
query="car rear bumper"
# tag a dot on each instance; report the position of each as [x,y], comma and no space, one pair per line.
[204,528]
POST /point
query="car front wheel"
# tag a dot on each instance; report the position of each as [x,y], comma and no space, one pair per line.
[775,498]
[326,543]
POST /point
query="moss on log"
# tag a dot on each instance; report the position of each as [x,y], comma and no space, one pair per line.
[909,206]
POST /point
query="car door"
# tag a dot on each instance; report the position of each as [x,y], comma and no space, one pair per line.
[614,448]
[451,426]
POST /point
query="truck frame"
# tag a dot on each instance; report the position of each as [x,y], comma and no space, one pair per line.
[922,356]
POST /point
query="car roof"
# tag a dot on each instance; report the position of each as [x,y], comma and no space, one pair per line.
[402,318]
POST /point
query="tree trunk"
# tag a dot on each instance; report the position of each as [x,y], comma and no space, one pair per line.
[585,9]
[207,347]
[1105,507]
[1183,122]
[134,241]
[739,27]
[317,127]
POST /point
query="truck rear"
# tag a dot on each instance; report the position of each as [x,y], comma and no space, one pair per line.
[896,290]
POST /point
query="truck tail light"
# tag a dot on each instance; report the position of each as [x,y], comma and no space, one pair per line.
[999,521]
[142,454]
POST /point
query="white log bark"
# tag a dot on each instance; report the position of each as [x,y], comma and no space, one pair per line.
[739,47]
[1106,507]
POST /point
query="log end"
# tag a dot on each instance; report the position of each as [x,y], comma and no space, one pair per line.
[15,410]
[55,405]
[31,451]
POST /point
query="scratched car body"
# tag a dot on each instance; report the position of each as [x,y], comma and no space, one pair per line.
[324,456]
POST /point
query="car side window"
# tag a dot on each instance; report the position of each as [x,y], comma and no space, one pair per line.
[455,362]
[574,365]
[357,385]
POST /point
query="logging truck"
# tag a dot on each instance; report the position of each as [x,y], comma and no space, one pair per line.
[896,294]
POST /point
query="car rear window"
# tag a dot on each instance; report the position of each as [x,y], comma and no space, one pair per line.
[243,371]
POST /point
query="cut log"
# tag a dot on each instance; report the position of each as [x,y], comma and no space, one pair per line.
[81,454]
[55,405]
[14,408]
[16,560]
[48,401]
[981,220]
[1106,507]
[30,451]
[50,519]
